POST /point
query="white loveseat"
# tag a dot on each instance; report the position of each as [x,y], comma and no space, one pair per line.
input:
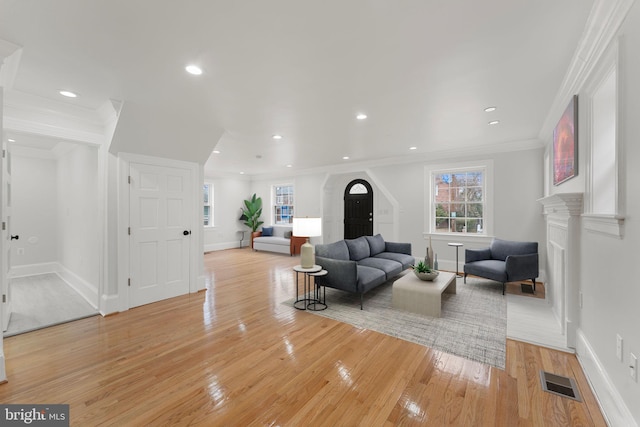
[280,241]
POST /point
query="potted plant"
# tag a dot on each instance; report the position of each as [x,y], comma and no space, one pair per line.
[252,210]
[423,272]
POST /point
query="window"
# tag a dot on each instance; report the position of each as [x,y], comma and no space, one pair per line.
[458,201]
[208,204]
[283,204]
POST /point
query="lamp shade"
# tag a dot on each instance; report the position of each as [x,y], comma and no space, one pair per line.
[307,227]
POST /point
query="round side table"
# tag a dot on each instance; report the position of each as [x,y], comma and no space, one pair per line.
[319,303]
[306,298]
[457,246]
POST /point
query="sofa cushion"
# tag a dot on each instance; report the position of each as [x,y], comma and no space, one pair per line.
[500,249]
[358,248]
[376,244]
[369,278]
[491,269]
[337,250]
[273,240]
[404,259]
[267,231]
[390,268]
[287,234]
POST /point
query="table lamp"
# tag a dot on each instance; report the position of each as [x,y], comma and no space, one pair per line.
[307,227]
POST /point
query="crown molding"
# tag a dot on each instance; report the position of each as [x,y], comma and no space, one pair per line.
[601,28]
[10,55]
[429,157]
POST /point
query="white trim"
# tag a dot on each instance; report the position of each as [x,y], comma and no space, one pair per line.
[195,248]
[486,165]
[225,245]
[109,304]
[601,27]
[613,408]
[87,290]
[609,225]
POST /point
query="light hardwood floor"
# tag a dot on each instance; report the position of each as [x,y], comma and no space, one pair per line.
[235,356]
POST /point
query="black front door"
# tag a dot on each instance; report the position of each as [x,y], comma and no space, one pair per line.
[358,209]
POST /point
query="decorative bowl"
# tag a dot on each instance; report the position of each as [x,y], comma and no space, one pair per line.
[426,276]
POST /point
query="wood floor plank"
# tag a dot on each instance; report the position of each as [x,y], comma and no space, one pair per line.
[235,355]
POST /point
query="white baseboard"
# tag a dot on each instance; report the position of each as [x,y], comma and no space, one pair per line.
[224,245]
[3,372]
[202,283]
[615,412]
[87,290]
[109,304]
[34,269]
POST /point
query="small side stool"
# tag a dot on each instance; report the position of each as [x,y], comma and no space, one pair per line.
[457,246]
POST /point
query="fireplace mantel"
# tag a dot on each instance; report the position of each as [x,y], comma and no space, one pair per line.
[570,204]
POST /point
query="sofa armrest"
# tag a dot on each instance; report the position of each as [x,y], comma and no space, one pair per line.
[255,234]
[471,255]
[521,267]
[341,274]
[399,248]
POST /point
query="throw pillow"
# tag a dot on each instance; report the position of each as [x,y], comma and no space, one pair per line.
[267,231]
[287,234]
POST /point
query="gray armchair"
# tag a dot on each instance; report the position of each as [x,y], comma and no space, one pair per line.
[504,261]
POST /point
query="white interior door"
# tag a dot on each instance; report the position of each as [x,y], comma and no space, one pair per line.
[6,235]
[160,232]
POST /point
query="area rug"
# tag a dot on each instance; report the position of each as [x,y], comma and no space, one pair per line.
[473,323]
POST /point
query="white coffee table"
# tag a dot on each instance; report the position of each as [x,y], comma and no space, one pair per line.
[420,296]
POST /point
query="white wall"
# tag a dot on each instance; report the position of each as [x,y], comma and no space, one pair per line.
[609,265]
[34,210]
[228,196]
[399,190]
[78,215]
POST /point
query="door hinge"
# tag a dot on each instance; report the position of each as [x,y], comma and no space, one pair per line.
[129,281]
[4,153]
[4,298]
[129,231]
[4,225]
[129,179]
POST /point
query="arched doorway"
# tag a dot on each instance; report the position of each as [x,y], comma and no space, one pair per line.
[358,209]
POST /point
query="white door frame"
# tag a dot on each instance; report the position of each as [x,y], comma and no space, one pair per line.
[124,256]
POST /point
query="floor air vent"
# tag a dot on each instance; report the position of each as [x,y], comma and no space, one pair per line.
[562,386]
[526,288]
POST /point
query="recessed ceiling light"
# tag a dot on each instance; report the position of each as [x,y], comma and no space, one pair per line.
[345,158]
[277,136]
[494,122]
[289,166]
[67,93]
[193,69]
[11,140]
[241,173]
[413,148]
[490,109]
[361,116]
[216,151]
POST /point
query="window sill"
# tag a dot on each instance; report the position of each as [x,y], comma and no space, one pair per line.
[609,225]
[458,237]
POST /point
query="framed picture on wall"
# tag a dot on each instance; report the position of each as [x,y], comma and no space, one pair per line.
[565,144]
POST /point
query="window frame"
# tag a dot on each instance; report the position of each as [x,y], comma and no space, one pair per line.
[210,204]
[484,166]
[274,203]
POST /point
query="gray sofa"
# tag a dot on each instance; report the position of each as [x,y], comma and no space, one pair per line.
[504,261]
[359,265]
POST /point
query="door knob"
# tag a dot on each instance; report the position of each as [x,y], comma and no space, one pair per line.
[186,232]
[16,237]
[370,219]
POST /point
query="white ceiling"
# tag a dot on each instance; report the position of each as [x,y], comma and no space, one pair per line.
[422,70]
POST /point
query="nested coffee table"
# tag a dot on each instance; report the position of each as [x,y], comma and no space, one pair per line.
[420,296]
